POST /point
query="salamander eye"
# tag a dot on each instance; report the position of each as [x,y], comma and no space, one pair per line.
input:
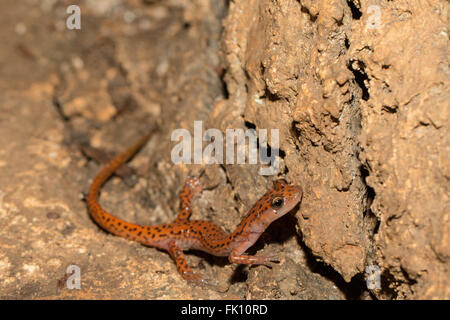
[277,202]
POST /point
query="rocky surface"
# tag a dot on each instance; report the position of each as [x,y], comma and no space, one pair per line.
[358,91]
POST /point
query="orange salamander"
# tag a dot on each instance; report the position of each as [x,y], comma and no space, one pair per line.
[183,234]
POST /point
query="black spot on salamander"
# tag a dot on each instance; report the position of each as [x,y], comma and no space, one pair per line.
[239,232]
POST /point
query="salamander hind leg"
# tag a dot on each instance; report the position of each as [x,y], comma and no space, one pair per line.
[183,268]
[191,188]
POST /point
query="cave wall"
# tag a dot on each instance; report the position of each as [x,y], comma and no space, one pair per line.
[359,92]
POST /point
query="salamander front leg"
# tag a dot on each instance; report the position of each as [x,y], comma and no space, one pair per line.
[236,257]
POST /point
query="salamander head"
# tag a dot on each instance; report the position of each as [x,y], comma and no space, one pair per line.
[283,198]
[275,203]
